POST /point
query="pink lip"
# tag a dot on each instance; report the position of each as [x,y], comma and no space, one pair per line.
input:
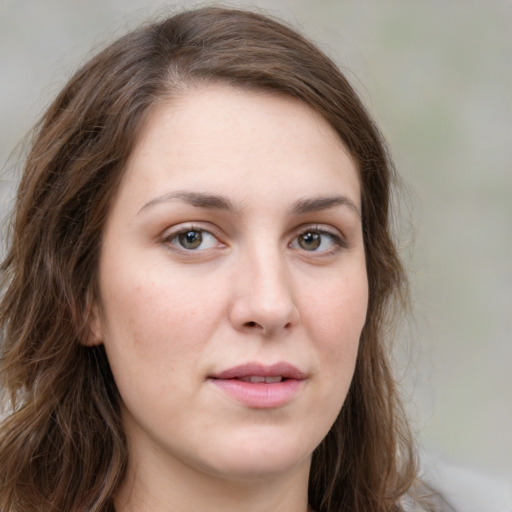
[260,395]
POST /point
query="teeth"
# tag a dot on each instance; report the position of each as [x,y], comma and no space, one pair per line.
[258,379]
[253,379]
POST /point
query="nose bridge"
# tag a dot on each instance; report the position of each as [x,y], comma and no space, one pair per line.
[270,281]
[265,298]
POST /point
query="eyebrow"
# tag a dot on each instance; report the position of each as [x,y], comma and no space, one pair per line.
[198,199]
[315,204]
[212,201]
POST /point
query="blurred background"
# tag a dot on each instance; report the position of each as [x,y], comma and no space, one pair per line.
[437,77]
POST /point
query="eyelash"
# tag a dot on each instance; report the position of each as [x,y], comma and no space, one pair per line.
[173,237]
[338,242]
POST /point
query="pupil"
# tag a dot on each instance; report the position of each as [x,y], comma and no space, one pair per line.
[190,239]
[310,241]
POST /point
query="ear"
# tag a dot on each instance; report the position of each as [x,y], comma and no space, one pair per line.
[93,328]
[94,332]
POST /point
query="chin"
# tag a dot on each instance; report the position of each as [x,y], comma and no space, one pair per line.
[258,470]
[258,461]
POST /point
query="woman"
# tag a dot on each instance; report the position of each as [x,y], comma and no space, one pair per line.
[200,282]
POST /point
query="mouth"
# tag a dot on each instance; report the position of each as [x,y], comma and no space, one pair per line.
[255,379]
[259,386]
[258,373]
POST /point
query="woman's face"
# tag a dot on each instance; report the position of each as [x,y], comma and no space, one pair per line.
[233,284]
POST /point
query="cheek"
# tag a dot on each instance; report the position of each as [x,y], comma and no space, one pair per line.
[340,311]
[157,316]
[337,319]
[154,333]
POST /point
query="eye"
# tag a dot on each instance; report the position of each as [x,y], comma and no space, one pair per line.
[309,241]
[318,240]
[192,239]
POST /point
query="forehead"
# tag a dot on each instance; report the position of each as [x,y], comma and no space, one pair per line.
[218,136]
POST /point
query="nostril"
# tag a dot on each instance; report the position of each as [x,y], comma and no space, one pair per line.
[251,324]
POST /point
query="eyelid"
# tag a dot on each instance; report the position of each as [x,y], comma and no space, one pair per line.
[339,240]
[173,232]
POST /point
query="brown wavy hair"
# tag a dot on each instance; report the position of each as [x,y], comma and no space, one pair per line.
[62,446]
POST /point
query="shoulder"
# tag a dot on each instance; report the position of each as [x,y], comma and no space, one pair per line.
[454,488]
[424,498]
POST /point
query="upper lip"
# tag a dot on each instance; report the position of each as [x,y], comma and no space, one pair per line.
[283,369]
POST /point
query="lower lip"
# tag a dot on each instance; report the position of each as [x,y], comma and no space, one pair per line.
[260,395]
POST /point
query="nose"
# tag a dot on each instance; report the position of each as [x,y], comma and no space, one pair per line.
[264,301]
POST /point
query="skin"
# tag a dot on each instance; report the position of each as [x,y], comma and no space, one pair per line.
[252,291]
